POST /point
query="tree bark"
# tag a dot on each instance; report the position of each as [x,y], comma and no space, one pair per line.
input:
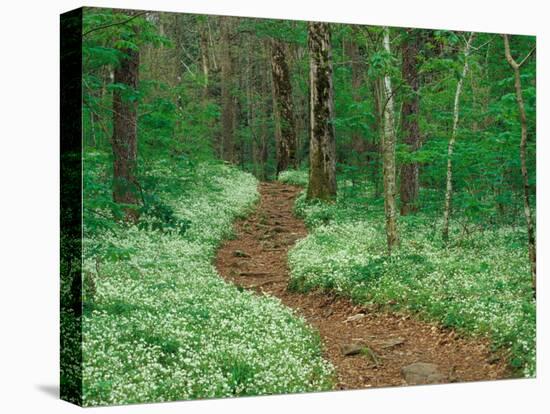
[357,74]
[124,142]
[205,62]
[228,107]
[409,185]
[283,105]
[388,148]
[523,155]
[377,89]
[265,111]
[322,153]
[450,149]
[301,103]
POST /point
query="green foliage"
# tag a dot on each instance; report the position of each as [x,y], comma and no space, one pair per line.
[284,30]
[295,177]
[157,215]
[162,325]
[381,63]
[149,290]
[480,283]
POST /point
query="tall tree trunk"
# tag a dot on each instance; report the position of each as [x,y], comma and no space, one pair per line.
[228,105]
[283,105]
[409,121]
[357,74]
[377,89]
[523,155]
[124,142]
[450,149]
[204,56]
[251,112]
[322,152]
[265,111]
[301,104]
[388,149]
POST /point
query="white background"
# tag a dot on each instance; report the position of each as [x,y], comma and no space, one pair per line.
[29,175]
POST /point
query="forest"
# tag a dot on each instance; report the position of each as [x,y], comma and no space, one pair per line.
[279,206]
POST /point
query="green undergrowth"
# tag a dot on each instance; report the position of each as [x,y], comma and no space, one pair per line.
[479,283]
[160,324]
[294,177]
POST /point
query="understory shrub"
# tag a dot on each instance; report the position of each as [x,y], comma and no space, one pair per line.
[162,325]
[479,283]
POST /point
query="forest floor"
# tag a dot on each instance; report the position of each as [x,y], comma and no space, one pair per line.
[368,348]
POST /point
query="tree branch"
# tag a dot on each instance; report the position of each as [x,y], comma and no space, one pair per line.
[113,24]
[508,54]
[527,57]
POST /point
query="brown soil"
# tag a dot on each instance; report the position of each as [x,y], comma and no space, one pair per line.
[257,259]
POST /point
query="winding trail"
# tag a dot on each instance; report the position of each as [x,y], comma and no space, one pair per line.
[257,259]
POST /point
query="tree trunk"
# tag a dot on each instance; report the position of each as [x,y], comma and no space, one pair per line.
[357,75]
[228,107]
[124,142]
[377,89]
[388,149]
[265,111]
[204,56]
[322,152]
[301,102]
[523,155]
[284,108]
[450,149]
[409,121]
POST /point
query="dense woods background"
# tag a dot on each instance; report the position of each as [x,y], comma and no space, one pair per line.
[427,135]
[238,90]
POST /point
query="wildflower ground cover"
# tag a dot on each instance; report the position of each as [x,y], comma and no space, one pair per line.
[478,283]
[160,324]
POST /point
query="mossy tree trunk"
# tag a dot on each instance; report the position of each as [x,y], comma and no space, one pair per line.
[284,108]
[124,141]
[322,152]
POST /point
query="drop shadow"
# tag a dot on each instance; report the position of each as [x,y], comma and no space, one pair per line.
[49,389]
